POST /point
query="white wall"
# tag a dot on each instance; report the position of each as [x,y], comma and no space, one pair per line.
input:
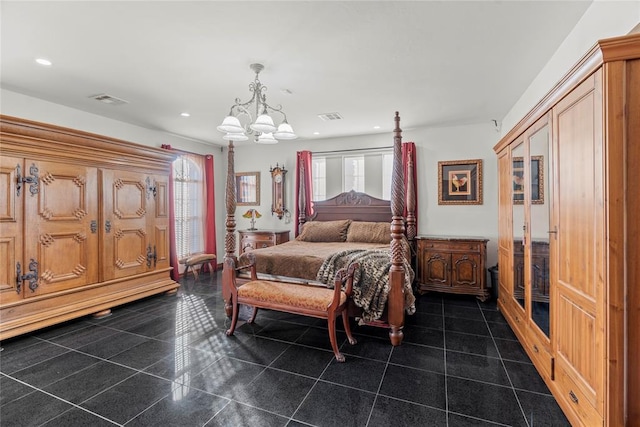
[432,144]
[603,19]
[26,107]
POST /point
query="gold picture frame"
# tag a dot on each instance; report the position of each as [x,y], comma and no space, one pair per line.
[537,180]
[460,182]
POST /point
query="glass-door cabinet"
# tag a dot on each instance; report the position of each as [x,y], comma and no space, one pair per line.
[523,171]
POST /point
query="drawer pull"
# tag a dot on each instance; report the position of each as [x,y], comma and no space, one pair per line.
[535,348]
[573,397]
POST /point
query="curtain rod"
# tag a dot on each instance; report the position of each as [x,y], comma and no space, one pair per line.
[351,150]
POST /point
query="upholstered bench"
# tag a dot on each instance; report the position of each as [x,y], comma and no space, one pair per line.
[304,299]
[196,262]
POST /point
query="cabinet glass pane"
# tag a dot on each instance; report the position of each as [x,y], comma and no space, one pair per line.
[518,192]
[540,214]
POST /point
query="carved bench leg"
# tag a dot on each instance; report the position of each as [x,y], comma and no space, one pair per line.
[234,317]
[347,328]
[253,315]
[332,337]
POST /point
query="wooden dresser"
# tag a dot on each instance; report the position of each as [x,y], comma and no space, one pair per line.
[84,224]
[256,239]
[452,264]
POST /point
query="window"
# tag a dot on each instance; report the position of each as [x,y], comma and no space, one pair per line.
[319,178]
[367,171]
[353,173]
[189,196]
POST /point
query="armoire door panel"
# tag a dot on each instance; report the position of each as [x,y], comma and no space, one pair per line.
[61,272]
[161,246]
[58,221]
[126,240]
[130,248]
[162,198]
[578,331]
[160,225]
[129,198]
[579,268]
[11,211]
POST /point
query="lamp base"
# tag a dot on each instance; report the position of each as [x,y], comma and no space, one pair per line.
[252,229]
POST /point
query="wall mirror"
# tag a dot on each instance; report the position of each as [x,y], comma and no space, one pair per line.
[248,188]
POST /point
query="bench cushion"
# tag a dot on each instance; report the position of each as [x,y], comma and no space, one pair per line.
[197,259]
[302,296]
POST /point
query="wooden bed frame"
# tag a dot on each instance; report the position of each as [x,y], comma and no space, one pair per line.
[351,205]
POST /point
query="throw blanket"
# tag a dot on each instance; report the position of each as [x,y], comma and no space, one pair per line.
[370,281]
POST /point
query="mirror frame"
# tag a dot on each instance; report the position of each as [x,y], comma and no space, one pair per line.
[251,199]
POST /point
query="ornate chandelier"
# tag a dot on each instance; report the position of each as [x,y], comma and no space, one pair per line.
[263,127]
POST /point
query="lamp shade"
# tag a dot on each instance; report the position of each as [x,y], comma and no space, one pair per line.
[266,138]
[264,123]
[285,131]
[230,136]
[231,124]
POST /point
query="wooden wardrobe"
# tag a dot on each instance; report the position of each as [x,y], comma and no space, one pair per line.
[84,224]
[569,236]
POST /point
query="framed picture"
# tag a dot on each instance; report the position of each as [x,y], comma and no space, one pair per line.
[460,182]
[248,188]
[537,180]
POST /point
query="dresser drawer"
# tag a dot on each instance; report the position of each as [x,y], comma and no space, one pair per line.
[250,240]
[261,238]
[450,246]
[539,353]
[577,400]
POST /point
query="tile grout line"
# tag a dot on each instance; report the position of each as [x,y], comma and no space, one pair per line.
[446,376]
[77,406]
[513,389]
[375,399]
[291,418]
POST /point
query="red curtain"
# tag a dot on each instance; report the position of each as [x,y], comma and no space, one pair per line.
[173,257]
[409,153]
[304,178]
[210,227]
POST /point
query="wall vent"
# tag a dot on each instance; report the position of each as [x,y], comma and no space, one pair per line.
[330,116]
[108,99]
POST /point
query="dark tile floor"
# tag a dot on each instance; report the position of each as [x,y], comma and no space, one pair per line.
[166,361]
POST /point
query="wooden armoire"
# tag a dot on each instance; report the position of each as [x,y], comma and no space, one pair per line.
[569,236]
[84,224]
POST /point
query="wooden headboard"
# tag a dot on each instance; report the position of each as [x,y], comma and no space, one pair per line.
[352,205]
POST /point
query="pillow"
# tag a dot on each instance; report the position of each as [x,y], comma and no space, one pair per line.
[369,232]
[324,231]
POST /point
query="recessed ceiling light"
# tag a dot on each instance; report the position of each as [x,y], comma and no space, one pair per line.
[185,114]
[376,127]
[43,61]
[316,133]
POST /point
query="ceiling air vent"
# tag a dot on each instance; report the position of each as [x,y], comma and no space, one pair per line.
[330,116]
[108,99]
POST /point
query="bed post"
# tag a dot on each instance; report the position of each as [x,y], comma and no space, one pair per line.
[302,195]
[230,237]
[395,303]
[411,204]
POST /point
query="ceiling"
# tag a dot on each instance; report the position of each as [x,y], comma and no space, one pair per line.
[438,63]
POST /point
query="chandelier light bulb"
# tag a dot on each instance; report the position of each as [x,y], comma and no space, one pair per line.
[266,138]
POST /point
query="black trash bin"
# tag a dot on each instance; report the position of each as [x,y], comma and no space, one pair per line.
[493,271]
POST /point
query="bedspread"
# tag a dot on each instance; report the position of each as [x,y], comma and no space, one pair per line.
[300,259]
[371,280]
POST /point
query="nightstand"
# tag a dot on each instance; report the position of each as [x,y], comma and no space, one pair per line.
[257,239]
[452,264]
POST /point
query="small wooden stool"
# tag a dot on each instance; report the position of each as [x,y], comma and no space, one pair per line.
[196,262]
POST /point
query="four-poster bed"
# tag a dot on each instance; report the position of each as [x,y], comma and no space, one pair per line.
[358,209]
